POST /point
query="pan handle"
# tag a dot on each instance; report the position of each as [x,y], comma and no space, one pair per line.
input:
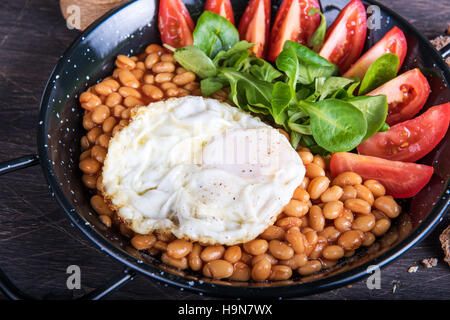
[445,51]
[10,290]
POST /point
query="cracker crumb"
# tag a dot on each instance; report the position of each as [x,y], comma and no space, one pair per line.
[413,269]
[430,262]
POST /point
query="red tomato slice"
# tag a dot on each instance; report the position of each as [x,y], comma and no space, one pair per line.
[345,39]
[293,23]
[221,7]
[255,26]
[394,42]
[406,95]
[175,24]
[401,179]
[410,140]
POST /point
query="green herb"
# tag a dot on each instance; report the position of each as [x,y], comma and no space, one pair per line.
[327,87]
[236,48]
[381,71]
[374,109]
[281,98]
[336,125]
[212,85]
[318,38]
[195,60]
[214,33]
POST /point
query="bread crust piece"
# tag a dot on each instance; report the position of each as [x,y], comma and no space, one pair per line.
[445,241]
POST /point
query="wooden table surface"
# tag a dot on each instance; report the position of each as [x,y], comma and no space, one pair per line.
[37,241]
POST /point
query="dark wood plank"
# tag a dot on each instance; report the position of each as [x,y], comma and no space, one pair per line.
[38,243]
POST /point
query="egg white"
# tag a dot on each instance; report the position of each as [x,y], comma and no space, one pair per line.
[201,169]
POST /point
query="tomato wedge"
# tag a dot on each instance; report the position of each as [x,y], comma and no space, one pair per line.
[255,26]
[394,42]
[175,24]
[221,7]
[345,39]
[292,22]
[410,140]
[401,179]
[406,95]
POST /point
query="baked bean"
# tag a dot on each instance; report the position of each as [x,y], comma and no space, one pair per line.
[151,59]
[168,85]
[296,208]
[179,248]
[246,258]
[194,260]
[388,206]
[100,114]
[379,215]
[347,179]
[143,242]
[113,99]
[165,236]
[305,183]
[180,70]
[152,91]
[280,272]
[331,233]
[89,100]
[88,124]
[333,209]
[298,260]
[349,253]
[154,48]
[296,239]
[358,206]
[125,62]
[233,254]
[164,77]
[318,160]
[128,79]
[273,233]
[160,67]
[212,253]
[141,65]
[167,57]
[99,184]
[317,186]
[375,187]
[310,267]
[280,250]
[129,92]
[261,270]
[103,140]
[241,272]
[314,171]
[301,194]
[177,263]
[381,227]
[306,156]
[106,220]
[332,194]
[316,252]
[344,222]
[311,238]
[125,115]
[99,205]
[369,239]
[109,124]
[117,110]
[103,89]
[192,86]
[98,153]
[364,223]
[89,166]
[350,240]
[85,154]
[126,231]
[349,192]
[284,133]
[149,79]
[364,193]
[265,256]
[289,222]
[184,78]
[333,252]
[89,181]
[93,134]
[132,102]
[256,247]
[139,74]
[316,218]
[172,92]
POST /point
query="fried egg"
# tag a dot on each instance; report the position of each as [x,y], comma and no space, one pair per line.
[200,169]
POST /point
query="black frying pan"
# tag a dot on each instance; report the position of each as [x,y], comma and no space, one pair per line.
[127,30]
